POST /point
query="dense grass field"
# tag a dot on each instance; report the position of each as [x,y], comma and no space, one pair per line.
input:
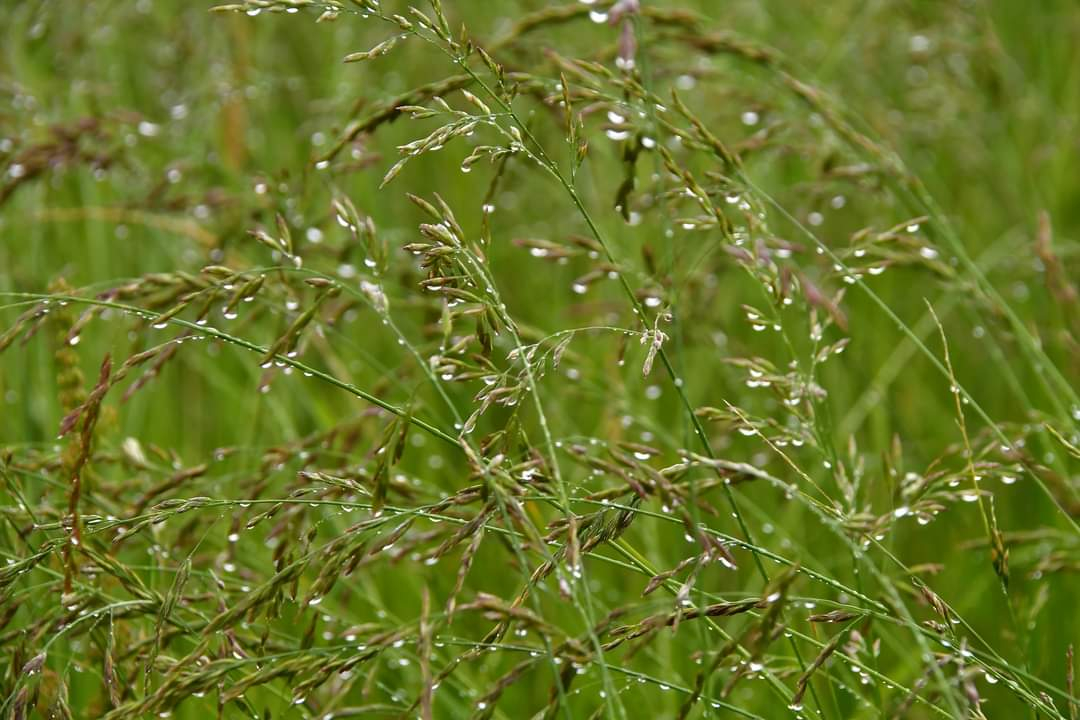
[516,359]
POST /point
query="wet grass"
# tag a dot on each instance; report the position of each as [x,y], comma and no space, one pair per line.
[586,360]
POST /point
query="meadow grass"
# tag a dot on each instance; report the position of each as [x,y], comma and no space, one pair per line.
[514,359]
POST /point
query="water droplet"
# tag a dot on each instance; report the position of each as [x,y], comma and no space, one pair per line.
[749,118]
[685,82]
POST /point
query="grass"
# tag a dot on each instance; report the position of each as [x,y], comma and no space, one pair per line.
[585,360]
